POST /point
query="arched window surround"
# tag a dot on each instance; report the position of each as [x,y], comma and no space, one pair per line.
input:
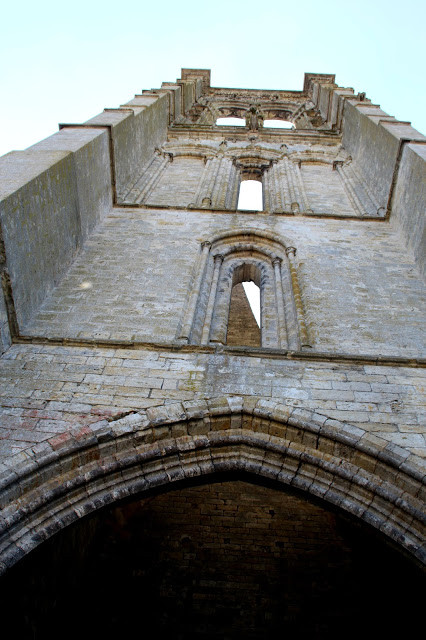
[220,264]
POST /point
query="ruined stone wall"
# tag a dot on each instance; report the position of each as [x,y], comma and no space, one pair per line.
[113,310]
[390,156]
[53,195]
[242,326]
[408,205]
[357,280]
[48,391]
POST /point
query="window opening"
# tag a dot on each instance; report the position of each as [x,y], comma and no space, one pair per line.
[251,195]
[243,327]
[252,292]
[232,259]
[279,124]
[231,122]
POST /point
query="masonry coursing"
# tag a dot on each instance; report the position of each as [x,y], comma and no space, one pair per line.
[80,269]
[48,390]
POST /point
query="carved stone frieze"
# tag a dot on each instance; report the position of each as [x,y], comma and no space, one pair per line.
[254,108]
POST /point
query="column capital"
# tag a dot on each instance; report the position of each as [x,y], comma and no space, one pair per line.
[206,244]
[218,258]
[290,251]
[276,261]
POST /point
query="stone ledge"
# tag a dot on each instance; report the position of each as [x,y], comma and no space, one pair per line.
[320,356]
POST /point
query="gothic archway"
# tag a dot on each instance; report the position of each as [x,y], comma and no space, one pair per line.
[222,556]
[85,470]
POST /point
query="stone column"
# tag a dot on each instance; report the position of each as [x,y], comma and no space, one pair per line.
[284,185]
[218,259]
[221,185]
[302,196]
[289,307]
[269,325]
[151,176]
[300,314]
[201,200]
[204,197]
[292,187]
[231,201]
[289,169]
[219,322]
[185,333]
[282,329]
[273,189]
[349,187]
[268,190]
[278,186]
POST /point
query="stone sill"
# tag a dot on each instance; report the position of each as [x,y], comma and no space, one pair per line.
[294,135]
[292,214]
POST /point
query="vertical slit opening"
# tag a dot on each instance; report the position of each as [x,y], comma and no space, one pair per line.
[251,195]
[244,320]
[252,292]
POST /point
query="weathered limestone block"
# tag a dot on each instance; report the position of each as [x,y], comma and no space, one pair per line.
[91,154]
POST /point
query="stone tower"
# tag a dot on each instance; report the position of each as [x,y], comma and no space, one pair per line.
[132,366]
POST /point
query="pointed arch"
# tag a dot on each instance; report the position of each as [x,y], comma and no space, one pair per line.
[84,470]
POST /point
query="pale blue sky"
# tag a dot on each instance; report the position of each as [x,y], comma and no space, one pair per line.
[65,62]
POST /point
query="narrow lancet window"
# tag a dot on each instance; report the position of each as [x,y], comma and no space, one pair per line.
[252,292]
[251,196]
[218,310]
[243,327]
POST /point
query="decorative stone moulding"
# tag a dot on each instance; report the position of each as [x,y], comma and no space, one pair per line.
[208,111]
[77,473]
[280,168]
[236,257]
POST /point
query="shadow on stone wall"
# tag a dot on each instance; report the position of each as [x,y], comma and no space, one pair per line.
[226,559]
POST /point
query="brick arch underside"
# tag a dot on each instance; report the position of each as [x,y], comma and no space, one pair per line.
[102,465]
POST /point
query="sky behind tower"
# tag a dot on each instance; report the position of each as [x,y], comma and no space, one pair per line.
[63,62]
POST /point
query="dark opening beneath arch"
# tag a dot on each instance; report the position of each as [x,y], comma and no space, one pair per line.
[227,559]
